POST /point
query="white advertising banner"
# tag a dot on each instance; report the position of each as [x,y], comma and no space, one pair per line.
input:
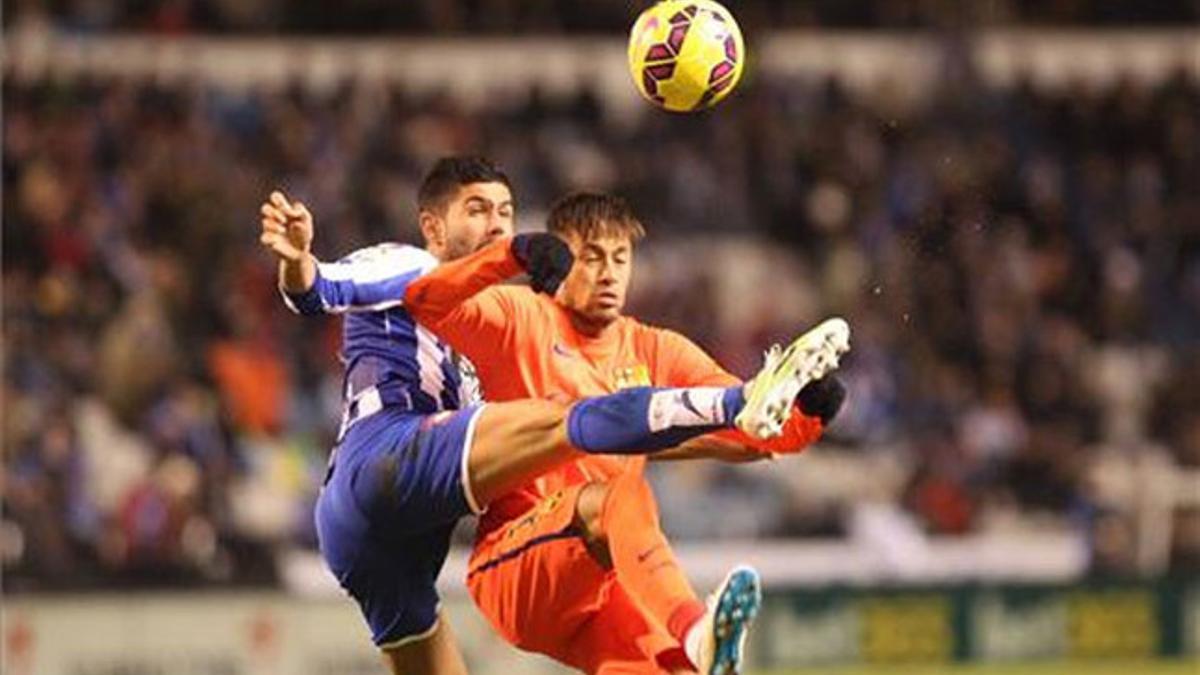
[222,633]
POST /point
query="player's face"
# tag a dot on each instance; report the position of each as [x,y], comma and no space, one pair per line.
[477,215]
[595,289]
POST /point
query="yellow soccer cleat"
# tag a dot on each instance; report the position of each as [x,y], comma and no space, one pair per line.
[770,395]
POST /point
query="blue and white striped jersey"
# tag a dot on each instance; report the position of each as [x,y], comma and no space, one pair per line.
[389,359]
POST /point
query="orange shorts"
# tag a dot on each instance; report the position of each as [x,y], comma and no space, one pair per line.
[542,591]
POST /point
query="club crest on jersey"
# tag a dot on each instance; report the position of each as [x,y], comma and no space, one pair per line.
[633,376]
[469,390]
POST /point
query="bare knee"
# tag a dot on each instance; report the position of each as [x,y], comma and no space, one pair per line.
[589,509]
[589,517]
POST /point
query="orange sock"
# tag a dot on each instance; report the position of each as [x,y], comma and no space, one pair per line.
[642,557]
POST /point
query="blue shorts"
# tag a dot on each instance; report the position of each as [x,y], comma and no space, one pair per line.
[396,488]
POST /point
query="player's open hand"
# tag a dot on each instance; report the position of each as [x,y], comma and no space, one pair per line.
[287,227]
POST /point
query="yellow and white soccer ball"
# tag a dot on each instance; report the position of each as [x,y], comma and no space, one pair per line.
[686,54]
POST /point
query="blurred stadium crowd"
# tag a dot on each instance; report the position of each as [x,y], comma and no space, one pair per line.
[1022,269]
[537,16]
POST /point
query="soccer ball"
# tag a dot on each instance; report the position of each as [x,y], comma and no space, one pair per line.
[686,54]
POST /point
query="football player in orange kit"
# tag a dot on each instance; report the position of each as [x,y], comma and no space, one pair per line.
[415,454]
[575,565]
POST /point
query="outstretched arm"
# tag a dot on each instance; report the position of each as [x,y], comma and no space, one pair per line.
[370,279]
[435,296]
[287,231]
[458,302]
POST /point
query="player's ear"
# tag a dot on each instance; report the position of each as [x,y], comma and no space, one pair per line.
[433,229]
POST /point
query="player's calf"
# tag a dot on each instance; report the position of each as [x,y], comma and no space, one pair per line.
[642,420]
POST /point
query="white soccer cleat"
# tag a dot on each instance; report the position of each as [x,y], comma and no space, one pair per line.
[731,610]
[770,395]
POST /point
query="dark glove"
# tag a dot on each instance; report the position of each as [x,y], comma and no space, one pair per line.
[546,258]
[822,398]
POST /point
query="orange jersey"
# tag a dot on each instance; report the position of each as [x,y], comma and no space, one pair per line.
[523,345]
[539,355]
[542,591]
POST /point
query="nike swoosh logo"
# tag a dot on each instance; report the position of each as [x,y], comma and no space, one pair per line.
[649,552]
[687,403]
[561,351]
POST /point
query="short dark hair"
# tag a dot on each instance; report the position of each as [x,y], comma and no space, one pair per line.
[451,173]
[593,214]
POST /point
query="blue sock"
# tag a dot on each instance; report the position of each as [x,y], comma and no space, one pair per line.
[643,420]
[733,400]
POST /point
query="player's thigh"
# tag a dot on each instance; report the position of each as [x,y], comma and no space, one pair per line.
[622,637]
[391,577]
[513,443]
[385,515]
[393,582]
[534,579]
[407,474]
[436,653]
[617,639]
